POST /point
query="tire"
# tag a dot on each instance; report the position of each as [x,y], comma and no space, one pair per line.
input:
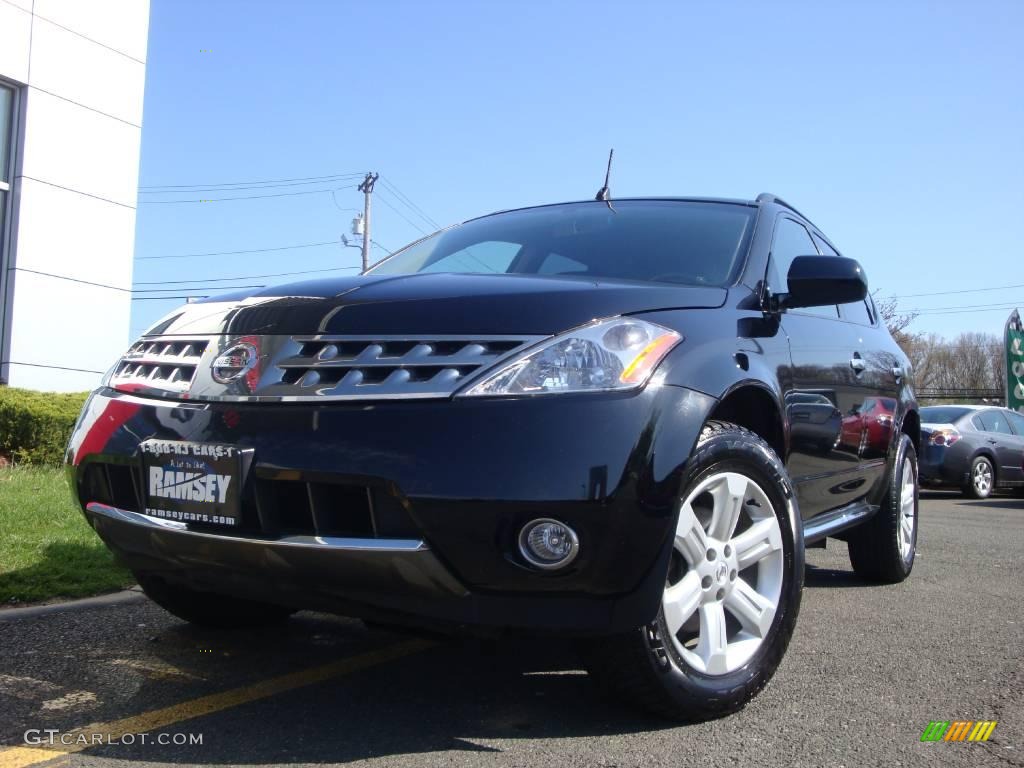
[883,549]
[981,480]
[680,672]
[206,609]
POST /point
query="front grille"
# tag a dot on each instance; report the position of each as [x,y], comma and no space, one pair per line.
[274,506]
[388,367]
[168,364]
[314,368]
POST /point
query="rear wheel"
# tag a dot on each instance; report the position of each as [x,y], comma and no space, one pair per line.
[732,592]
[981,480]
[883,548]
[206,609]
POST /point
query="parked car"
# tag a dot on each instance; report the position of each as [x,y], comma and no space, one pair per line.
[571,418]
[977,449]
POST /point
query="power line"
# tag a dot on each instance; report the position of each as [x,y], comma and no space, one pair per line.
[405,199]
[239,189]
[964,311]
[234,253]
[1007,305]
[335,199]
[411,223]
[257,181]
[947,293]
[166,298]
[244,277]
[199,288]
[240,197]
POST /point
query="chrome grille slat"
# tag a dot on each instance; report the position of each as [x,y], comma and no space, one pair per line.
[162,364]
[316,368]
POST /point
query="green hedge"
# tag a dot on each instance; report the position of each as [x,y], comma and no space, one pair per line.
[35,426]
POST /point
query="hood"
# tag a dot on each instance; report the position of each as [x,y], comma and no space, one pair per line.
[431,303]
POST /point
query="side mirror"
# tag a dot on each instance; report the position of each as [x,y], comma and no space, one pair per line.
[817,281]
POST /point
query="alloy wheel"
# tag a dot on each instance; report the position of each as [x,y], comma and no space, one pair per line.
[907,511]
[982,477]
[725,582]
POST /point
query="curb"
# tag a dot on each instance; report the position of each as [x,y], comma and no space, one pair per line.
[131,595]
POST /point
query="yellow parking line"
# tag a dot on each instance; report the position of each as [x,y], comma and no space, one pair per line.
[20,757]
[16,757]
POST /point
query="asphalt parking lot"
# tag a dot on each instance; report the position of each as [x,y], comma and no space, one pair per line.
[868,668]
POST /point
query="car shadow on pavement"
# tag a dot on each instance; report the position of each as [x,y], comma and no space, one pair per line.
[994,503]
[816,577]
[463,695]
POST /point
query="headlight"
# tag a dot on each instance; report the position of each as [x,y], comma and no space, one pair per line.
[105,381]
[607,355]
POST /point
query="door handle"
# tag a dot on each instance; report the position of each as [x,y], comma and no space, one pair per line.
[857,363]
[993,442]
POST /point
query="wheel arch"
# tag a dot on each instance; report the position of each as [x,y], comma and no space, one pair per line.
[752,405]
[911,427]
[989,454]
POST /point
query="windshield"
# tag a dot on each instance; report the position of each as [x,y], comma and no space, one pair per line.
[942,414]
[695,243]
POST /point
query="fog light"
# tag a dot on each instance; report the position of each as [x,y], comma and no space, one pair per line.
[548,543]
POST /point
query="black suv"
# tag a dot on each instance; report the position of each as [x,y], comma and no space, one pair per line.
[621,420]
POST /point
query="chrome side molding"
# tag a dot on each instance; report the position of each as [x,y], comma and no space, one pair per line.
[831,523]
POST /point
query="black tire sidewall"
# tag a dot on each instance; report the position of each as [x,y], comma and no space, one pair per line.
[905,450]
[740,451]
[874,546]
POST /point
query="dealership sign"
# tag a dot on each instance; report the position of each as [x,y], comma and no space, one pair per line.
[1014,362]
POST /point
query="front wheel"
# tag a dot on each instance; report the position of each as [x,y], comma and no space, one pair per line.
[732,592]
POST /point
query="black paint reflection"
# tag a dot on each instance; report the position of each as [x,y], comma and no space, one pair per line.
[815,421]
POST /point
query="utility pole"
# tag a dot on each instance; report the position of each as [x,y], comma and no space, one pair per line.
[367,189]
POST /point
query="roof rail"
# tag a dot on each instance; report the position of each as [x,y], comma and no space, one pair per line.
[768,197]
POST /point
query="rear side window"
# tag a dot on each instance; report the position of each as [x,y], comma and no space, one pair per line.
[1016,421]
[992,421]
[791,240]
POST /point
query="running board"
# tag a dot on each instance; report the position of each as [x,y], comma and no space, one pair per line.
[831,523]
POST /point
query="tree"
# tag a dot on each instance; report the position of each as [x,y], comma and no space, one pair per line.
[897,322]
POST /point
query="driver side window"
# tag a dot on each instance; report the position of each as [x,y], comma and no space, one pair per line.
[791,239]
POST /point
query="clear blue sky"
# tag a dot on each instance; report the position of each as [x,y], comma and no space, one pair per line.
[897,127]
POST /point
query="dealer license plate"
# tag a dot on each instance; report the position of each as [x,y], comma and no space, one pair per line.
[192,482]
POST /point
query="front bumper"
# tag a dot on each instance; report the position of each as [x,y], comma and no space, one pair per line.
[459,477]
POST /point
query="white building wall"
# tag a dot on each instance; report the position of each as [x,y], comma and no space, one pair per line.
[82,67]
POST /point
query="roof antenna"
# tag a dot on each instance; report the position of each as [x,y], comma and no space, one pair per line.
[603,194]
